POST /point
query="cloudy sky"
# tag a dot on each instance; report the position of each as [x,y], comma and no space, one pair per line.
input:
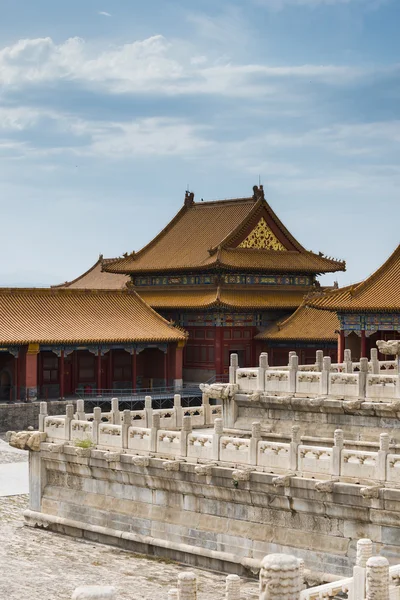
[110,109]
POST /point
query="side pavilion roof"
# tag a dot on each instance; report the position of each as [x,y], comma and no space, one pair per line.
[64,316]
[308,324]
[242,233]
[97,279]
[378,293]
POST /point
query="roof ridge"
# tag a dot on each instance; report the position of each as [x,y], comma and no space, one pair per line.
[359,287]
[235,232]
[68,283]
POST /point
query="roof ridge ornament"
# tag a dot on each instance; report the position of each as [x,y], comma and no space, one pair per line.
[189,199]
[258,193]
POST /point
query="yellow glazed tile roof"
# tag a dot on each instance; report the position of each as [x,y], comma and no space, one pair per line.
[96,279]
[207,298]
[378,293]
[206,235]
[66,316]
[305,324]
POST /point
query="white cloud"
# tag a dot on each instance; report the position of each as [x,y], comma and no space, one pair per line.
[151,66]
[104,13]
[280,4]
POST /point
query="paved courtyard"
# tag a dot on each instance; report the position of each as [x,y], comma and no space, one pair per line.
[40,565]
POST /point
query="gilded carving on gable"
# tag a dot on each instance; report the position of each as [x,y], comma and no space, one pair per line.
[262,238]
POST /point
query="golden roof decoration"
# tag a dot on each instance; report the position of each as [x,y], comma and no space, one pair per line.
[262,238]
[304,324]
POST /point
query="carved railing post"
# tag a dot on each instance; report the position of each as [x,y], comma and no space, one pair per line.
[364,552]
[125,427]
[69,415]
[94,592]
[294,448]
[205,401]
[263,366]
[178,410]
[319,360]
[293,368]
[348,364]
[115,414]
[234,365]
[42,415]
[337,452]
[255,438]
[218,432]
[155,426]
[325,375]
[96,424]
[280,578]
[384,442]
[374,361]
[187,586]
[80,414]
[185,431]
[377,578]
[148,410]
[232,587]
[362,378]
[173,594]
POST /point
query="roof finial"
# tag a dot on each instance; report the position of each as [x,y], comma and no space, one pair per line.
[189,198]
[258,192]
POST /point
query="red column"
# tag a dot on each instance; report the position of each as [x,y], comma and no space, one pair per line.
[178,373]
[110,370]
[134,369]
[341,345]
[363,344]
[219,349]
[99,370]
[31,371]
[16,382]
[166,367]
[62,374]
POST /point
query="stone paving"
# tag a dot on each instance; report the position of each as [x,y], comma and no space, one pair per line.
[46,566]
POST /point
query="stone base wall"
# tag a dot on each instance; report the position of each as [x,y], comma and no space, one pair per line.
[359,420]
[16,417]
[217,520]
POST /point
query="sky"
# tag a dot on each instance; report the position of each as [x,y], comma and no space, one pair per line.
[110,110]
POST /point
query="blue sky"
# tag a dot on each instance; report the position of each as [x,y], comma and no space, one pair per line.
[109,110]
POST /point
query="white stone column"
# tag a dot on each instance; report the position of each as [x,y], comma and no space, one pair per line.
[362,378]
[294,447]
[280,578]
[218,432]
[293,368]
[185,431]
[178,409]
[155,426]
[364,552]
[377,578]
[173,594]
[42,415]
[115,414]
[187,586]
[255,438]
[148,410]
[127,422]
[233,368]
[232,587]
[338,442]
[94,592]
[37,480]
[205,402]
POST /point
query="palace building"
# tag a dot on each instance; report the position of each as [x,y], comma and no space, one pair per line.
[366,312]
[223,271]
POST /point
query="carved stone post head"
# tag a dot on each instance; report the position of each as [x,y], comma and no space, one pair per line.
[280,578]
[377,578]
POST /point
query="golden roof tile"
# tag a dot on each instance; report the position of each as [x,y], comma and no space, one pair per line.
[97,279]
[63,316]
[305,324]
[378,293]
